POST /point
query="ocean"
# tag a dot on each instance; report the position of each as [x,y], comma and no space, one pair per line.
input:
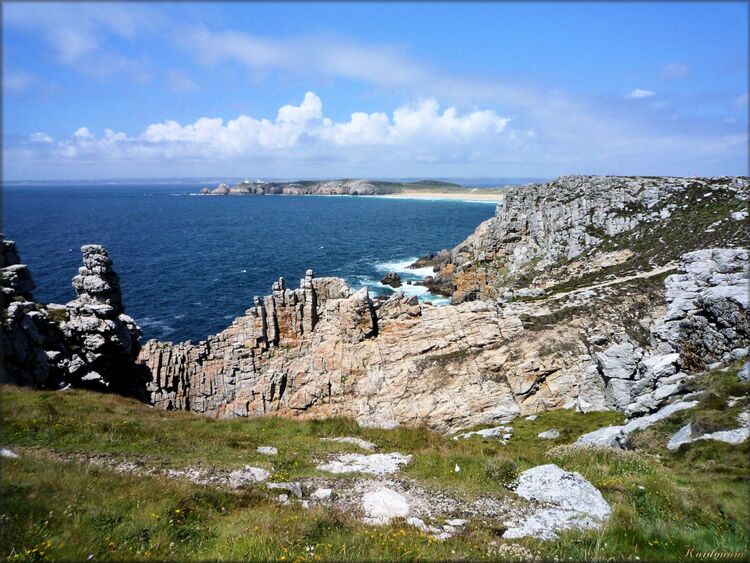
[189,264]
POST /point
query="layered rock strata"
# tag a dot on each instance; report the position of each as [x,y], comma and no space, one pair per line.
[383,363]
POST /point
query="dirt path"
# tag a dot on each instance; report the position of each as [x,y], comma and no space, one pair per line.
[641,275]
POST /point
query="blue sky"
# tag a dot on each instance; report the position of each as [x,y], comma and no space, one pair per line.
[374,90]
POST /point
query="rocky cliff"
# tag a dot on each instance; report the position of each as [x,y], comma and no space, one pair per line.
[583,228]
[587,293]
[90,342]
[396,361]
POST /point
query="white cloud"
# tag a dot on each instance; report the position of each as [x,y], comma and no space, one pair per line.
[420,131]
[83,134]
[673,71]
[411,125]
[79,33]
[40,138]
[637,94]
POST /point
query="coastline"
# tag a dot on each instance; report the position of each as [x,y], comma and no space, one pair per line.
[476,196]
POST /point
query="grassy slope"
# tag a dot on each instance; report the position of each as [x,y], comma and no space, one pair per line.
[696,497]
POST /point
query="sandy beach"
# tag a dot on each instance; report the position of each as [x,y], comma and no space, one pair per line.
[468,196]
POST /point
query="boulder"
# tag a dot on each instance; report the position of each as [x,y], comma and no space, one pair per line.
[568,502]
[374,464]
[392,279]
[384,504]
[606,437]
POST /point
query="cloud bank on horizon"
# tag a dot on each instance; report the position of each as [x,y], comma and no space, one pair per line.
[120,90]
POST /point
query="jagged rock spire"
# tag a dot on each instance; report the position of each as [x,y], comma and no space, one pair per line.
[15,277]
[106,339]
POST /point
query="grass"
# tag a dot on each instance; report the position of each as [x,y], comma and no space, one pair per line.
[663,502]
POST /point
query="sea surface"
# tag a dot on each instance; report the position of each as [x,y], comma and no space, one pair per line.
[190,264]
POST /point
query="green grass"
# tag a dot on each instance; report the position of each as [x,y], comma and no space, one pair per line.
[663,502]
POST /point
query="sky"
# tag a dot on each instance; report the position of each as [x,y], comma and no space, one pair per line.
[375,90]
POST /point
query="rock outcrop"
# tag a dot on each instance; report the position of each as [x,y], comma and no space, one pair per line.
[541,229]
[392,279]
[33,347]
[331,187]
[104,338]
[324,350]
[706,324]
[383,363]
[15,277]
[559,301]
[90,342]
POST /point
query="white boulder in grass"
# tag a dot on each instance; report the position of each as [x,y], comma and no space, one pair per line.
[382,505]
[572,503]
[375,464]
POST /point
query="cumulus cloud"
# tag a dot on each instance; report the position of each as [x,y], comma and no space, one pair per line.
[420,129]
[40,138]
[637,94]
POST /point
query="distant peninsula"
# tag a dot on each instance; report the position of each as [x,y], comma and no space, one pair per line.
[421,188]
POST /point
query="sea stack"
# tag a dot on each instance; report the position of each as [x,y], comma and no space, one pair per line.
[106,339]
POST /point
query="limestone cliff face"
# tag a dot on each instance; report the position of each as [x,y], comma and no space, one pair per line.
[331,187]
[543,227]
[585,293]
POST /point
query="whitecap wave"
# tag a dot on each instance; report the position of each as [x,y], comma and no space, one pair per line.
[402,268]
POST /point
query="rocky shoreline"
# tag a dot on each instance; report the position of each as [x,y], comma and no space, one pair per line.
[551,309]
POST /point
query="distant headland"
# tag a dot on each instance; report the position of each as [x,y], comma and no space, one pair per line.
[421,189]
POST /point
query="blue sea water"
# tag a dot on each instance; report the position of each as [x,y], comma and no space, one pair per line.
[189,264]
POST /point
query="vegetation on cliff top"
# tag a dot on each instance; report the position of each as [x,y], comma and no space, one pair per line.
[55,505]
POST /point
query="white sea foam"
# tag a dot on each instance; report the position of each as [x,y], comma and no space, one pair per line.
[402,267]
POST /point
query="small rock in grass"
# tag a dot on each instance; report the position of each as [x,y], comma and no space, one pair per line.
[4,452]
[551,434]
[293,488]
[531,417]
[321,494]
[240,477]
[267,450]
